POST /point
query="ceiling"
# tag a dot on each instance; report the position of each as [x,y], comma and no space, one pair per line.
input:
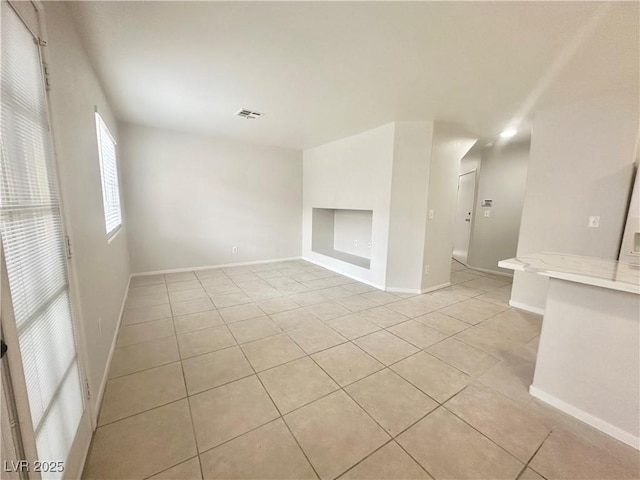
[326,70]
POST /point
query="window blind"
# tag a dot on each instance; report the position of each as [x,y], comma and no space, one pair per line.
[109,172]
[33,243]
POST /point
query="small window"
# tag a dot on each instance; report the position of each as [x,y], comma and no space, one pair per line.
[109,172]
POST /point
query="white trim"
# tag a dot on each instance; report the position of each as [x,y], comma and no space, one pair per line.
[492,272]
[101,126]
[418,292]
[402,290]
[209,267]
[587,418]
[484,270]
[346,274]
[97,403]
[437,287]
[114,233]
[526,308]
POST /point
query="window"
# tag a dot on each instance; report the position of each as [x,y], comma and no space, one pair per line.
[109,172]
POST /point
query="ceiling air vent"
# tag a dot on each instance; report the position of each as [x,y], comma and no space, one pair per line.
[248,114]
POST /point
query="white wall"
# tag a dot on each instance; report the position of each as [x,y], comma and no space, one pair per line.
[471,161]
[450,145]
[351,173]
[189,199]
[100,268]
[407,223]
[390,170]
[588,357]
[351,226]
[580,165]
[323,222]
[502,178]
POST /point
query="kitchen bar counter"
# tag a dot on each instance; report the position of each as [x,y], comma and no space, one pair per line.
[588,361]
[598,272]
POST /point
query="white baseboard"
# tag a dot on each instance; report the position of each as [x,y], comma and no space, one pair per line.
[437,287]
[374,285]
[492,272]
[417,291]
[526,308]
[346,274]
[97,403]
[484,270]
[587,418]
[402,290]
[209,267]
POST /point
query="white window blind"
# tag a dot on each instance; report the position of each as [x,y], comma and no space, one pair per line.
[33,243]
[109,171]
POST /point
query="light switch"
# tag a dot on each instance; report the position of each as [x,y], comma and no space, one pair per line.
[594,222]
[430,214]
[487,213]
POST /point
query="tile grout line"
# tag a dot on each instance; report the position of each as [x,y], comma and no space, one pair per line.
[551,430]
[279,413]
[324,322]
[392,437]
[167,469]
[146,321]
[362,311]
[187,396]
[186,391]
[391,440]
[478,431]
[340,387]
[148,368]
[319,351]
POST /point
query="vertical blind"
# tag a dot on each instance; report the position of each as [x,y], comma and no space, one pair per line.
[33,243]
[109,172]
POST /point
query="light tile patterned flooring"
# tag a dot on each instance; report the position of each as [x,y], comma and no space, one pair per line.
[288,370]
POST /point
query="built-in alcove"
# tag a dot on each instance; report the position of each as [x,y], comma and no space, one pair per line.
[343,234]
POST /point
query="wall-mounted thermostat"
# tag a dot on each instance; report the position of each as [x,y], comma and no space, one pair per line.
[487,203]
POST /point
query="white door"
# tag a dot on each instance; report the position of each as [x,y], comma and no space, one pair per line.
[37,319]
[464,211]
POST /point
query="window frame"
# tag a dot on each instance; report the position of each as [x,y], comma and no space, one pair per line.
[101,126]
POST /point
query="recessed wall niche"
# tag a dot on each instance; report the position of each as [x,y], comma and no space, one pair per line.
[343,234]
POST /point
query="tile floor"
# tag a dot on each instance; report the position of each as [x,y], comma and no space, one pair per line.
[288,370]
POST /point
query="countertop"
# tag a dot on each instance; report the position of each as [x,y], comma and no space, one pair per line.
[598,272]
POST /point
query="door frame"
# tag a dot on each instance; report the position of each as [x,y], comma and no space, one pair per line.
[473,210]
[80,446]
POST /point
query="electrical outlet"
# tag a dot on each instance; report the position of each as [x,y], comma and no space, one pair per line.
[355,243]
[234,249]
[426,269]
[594,222]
